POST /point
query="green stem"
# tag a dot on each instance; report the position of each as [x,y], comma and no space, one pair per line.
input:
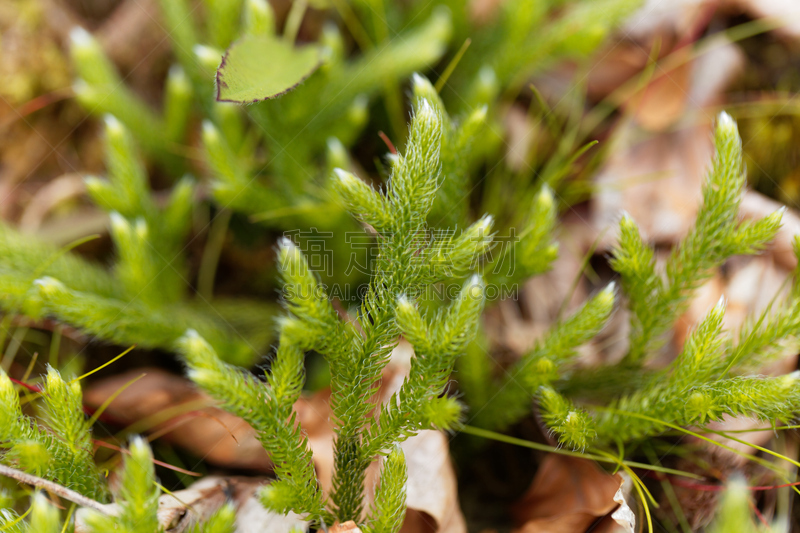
[294,20]
[486,434]
[440,83]
[213,249]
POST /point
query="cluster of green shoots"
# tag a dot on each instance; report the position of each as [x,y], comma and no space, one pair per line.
[358,348]
[60,449]
[143,299]
[425,181]
[711,377]
[285,163]
[318,119]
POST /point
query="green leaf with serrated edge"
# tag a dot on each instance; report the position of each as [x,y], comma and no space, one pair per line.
[260,67]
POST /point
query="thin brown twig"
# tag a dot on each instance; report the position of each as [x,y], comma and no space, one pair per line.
[55,488]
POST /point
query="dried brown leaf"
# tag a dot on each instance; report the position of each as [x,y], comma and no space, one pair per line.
[568,495]
[658,177]
[171,405]
[664,101]
[345,527]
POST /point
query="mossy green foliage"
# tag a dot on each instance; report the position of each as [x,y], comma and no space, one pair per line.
[295,130]
[408,262]
[136,505]
[509,43]
[44,518]
[715,237]
[137,497]
[710,378]
[545,363]
[101,89]
[143,299]
[275,161]
[59,449]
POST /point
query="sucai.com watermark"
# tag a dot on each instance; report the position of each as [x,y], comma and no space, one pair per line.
[443,255]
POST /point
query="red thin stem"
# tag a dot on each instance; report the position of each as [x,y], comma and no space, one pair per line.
[32,388]
[758,513]
[40,102]
[388,142]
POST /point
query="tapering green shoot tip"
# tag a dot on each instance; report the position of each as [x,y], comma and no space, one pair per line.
[178,79]
[140,450]
[335,146]
[53,375]
[346,179]
[290,260]
[208,56]
[626,221]
[141,229]
[725,122]
[404,305]
[777,216]
[210,132]
[114,127]
[119,224]
[286,245]
[192,343]
[81,88]
[719,307]
[6,385]
[418,81]
[546,198]
[48,286]
[426,114]
[484,225]
[479,115]
[487,76]
[607,295]
[79,37]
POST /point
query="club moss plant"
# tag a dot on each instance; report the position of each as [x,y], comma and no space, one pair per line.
[286,163]
[357,351]
[46,451]
[143,298]
[714,373]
